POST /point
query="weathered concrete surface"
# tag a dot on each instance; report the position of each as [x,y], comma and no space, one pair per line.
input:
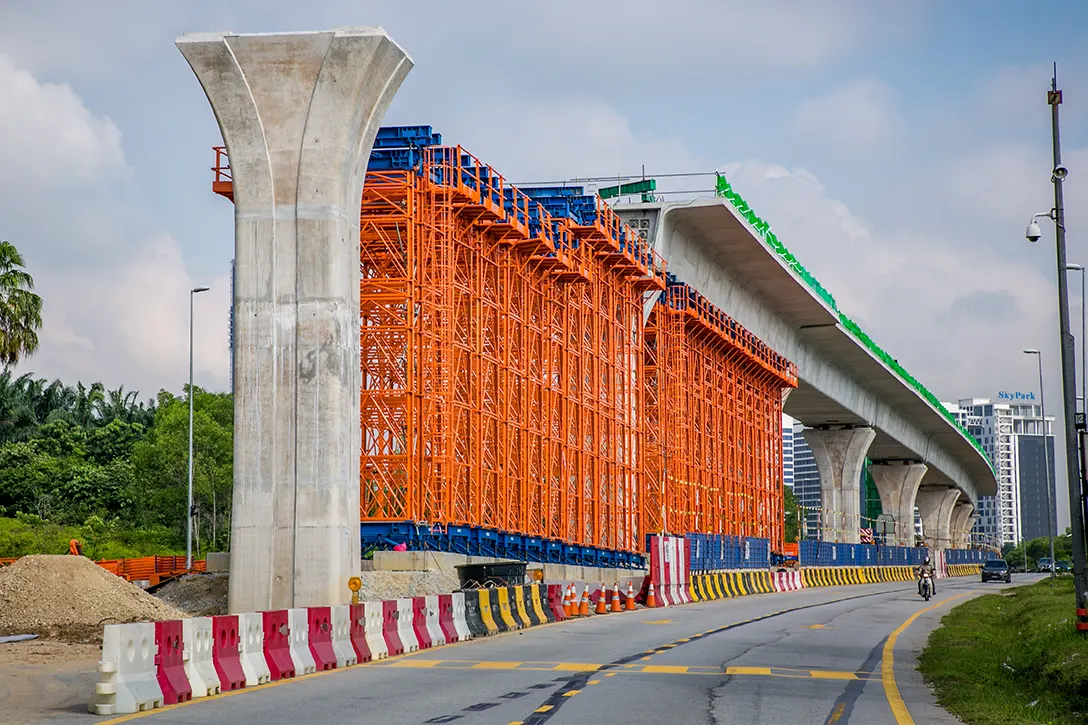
[840,458]
[961,524]
[898,486]
[935,506]
[298,113]
[709,246]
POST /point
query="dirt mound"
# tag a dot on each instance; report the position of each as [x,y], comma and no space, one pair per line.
[199,595]
[70,597]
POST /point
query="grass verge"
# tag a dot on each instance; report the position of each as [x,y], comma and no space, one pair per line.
[1011,658]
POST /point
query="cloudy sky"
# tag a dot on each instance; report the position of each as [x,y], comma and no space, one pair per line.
[897,148]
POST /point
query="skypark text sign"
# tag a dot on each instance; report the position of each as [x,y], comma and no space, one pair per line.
[1004,395]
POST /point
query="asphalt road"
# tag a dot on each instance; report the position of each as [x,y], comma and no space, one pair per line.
[819,656]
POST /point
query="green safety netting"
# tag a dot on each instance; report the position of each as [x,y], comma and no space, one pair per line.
[724,190]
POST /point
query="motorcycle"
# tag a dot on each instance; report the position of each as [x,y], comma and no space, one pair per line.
[927,588]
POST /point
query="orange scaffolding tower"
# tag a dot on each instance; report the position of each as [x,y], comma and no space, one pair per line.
[510,382]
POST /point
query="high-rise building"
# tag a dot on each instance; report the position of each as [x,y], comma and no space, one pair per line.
[787,451]
[1012,436]
[806,483]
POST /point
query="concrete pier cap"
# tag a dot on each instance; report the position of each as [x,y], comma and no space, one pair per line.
[840,458]
[298,113]
[897,482]
[936,505]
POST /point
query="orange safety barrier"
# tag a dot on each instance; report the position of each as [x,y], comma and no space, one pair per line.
[152,569]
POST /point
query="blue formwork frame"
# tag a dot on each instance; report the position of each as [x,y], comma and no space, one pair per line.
[479,541]
[714,552]
[826,553]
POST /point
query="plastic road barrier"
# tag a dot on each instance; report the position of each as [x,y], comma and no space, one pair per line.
[460,617]
[405,625]
[539,595]
[493,617]
[555,602]
[391,628]
[517,606]
[319,637]
[127,678]
[226,652]
[446,618]
[298,621]
[357,618]
[341,636]
[474,613]
[277,644]
[419,622]
[434,625]
[375,636]
[196,635]
[169,665]
[254,665]
[505,610]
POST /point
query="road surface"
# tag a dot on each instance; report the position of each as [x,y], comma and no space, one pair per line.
[829,656]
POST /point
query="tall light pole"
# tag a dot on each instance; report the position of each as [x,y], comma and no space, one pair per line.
[1046,462]
[1083,337]
[1072,457]
[189,511]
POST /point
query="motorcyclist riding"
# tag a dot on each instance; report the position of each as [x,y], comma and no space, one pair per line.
[927,568]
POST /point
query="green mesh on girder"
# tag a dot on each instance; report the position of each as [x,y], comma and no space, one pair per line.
[723,189]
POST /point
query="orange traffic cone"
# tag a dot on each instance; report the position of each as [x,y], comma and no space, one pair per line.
[601,608]
[567,602]
[583,605]
[630,603]
[651,600]
[616,597]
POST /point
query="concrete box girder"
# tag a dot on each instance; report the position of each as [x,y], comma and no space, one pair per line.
[298,113]
[706,244]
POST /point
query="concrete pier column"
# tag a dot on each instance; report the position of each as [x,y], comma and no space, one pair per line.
[299,113]
[936,506]
[898,485]
[961,524]
[840,458]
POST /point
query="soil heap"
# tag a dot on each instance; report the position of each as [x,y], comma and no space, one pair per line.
[71,597]
[199,595]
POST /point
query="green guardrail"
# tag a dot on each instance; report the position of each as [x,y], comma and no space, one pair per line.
[724,190]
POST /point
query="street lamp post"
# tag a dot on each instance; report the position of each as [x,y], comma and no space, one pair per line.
[1083,336]
[1069,365]
[1046,462]
[189,511]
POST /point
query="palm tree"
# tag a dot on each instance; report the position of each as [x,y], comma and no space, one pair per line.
[20,308]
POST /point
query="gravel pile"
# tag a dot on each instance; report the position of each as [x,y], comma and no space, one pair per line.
[71,598]
[381,585]
[198,595]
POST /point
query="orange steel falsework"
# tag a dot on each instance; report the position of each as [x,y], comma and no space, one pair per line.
[511,382]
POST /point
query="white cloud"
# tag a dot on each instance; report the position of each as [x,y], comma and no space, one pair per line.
[47,135]
[131,326]
[857,117]
[569,137]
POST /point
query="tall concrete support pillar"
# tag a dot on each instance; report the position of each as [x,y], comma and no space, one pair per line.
[936,506]
[840,458]
[299,113]
[961,524]
[898,485]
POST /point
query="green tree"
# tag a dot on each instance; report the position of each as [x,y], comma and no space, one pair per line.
[20,308]
[790,506]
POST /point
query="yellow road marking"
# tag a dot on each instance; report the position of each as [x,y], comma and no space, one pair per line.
[764,671]
[575,667]
[476,666]
[813,626]
[665,669]
[571,693]
[594,682]
[836,714]
[657,621]
[544,708]
[887,664]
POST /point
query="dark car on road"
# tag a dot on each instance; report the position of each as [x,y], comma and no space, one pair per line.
[996,569]
[1063,566]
